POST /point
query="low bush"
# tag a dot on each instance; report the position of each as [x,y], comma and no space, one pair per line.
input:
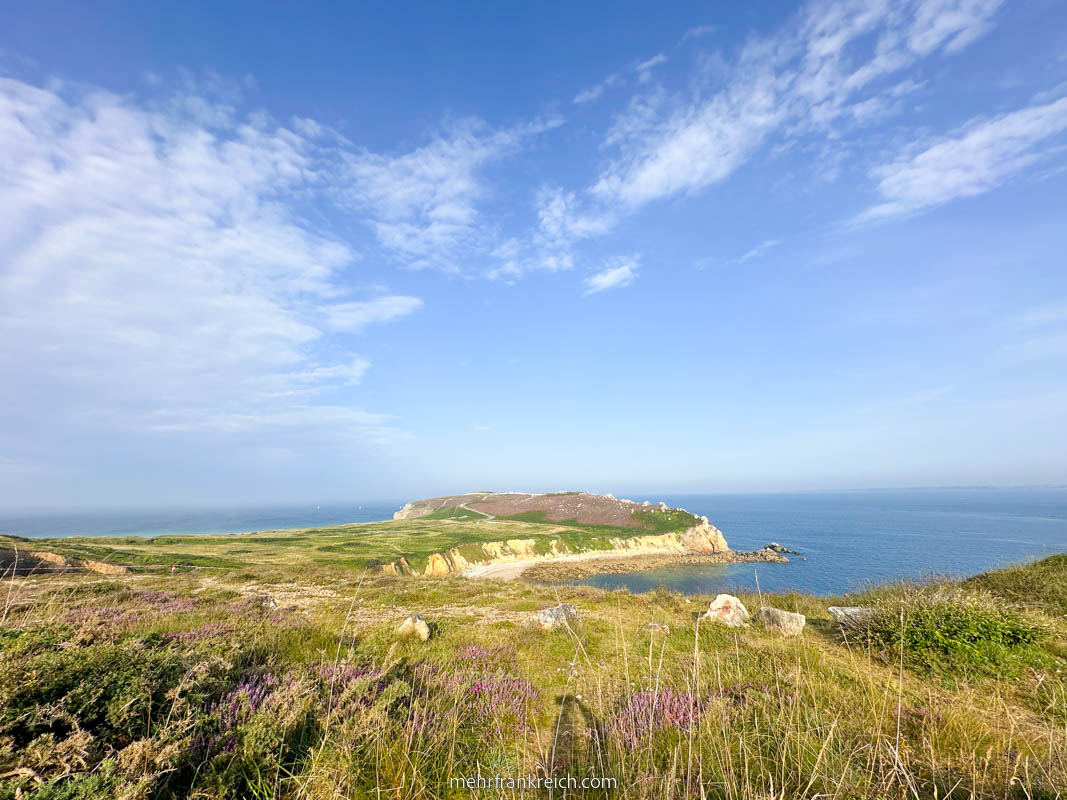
[953,631]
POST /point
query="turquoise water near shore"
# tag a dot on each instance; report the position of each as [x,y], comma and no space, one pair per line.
[848,538]
[851,539]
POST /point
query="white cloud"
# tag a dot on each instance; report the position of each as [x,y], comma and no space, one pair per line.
[621,274]
[824,71]
[157,272]
[759,250]
[355,316]
[644,68]
[698,32]
[954,23]
[594,92]
[980,157]
[424,203]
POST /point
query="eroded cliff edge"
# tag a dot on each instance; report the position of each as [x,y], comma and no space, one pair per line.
[670,531]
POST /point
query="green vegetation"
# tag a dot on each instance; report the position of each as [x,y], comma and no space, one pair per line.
[335,550]
[285,679]
[952,631]
[653,521]
[1041,585]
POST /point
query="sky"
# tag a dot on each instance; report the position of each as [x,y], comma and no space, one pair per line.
[257,253]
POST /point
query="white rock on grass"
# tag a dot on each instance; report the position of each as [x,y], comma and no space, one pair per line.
[728,610]
[787,623]
[414,626]
[851,616]
[565,615]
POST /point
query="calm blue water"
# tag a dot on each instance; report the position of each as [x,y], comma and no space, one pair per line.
[850,538]
[155,523]
[854,538]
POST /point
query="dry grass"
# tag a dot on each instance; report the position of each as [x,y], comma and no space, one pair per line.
[193,685]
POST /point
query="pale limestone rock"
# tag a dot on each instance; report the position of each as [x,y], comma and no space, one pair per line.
[565,615]
[728,610]
[414,626]
[787,623]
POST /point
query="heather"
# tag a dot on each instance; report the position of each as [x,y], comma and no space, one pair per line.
[265,683]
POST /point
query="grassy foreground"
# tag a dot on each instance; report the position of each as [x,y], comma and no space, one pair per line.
[287,680]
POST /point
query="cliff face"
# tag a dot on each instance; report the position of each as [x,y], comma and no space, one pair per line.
[704,538]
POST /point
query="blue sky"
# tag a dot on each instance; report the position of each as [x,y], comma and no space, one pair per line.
[258,253]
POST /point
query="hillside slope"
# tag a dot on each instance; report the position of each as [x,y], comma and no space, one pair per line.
[582,508]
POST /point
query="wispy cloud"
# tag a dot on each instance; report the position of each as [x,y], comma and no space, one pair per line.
[815,76]
[698,32]
[980,157]
[642,69]
[424,204]
[353,317]
[759,250]
[622,273]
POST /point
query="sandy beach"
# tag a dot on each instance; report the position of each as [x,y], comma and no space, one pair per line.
[582,565]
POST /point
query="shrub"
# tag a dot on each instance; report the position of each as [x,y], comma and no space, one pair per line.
[950,631]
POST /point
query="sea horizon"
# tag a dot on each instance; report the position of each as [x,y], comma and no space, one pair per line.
[845,538]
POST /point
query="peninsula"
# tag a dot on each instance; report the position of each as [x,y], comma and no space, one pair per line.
[546,537]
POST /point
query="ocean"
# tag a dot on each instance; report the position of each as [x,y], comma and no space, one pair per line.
[849,539]
[853,539]
[192,521]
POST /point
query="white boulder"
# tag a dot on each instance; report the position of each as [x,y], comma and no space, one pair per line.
[728,610]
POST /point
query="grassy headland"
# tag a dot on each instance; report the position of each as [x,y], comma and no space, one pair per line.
[280,674]
[339,550]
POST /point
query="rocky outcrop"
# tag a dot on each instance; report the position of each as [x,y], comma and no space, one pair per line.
[47,561]
[851,617]
[728,610]
[787,623]
[779,548]
[564,615]
[702,539]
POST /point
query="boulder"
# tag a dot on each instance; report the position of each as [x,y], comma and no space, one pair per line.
[728,610]
[779,548]
[565,615]
[414,626]
[787,623]
[851,616]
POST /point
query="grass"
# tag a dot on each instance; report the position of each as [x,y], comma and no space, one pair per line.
[196,685]
[334,550]
[1041,585]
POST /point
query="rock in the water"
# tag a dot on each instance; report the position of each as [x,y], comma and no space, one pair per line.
[414,626]
[787,623]
[655,627]
[851,616]
[779,548]
[565,615]
[728,610]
